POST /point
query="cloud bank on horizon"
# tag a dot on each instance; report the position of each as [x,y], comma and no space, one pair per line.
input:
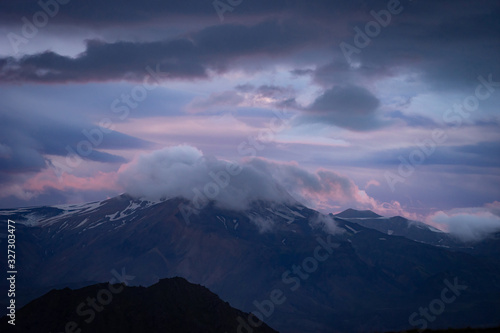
[384,105]
[184,171]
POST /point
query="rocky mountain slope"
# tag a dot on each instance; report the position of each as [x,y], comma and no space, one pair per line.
[300,270]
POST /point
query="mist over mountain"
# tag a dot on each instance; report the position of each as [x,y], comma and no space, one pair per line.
[185,171]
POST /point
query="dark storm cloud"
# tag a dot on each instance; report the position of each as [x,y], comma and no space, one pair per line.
[350,107]
[350,99]
[105,12]
[26,141]
[449,46]
[448,43]
[190,57]
[110,12]
[104,62]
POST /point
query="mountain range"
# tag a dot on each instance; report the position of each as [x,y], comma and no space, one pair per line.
[297,269]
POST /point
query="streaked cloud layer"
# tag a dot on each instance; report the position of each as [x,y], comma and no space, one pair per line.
[87,87]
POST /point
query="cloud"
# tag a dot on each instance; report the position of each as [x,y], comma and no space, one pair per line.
[272,91]
[327,223]
[413,120]
[28,140]
[213,48]
[467,224]
[350,107]
[216,100]
[47,188]
[245,95]
[372,182]
[340,71]
[315,189]
[484,154]
[419,40]
[494,208]
[349,99]
[480,154]
[301,72]
[264,224]
[184,171]
[245,87]
[31,146]
[103,62]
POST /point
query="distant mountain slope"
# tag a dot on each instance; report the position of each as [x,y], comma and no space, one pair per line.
[356,279]
[400,226]
[489,247]
[352,213]
[169,306]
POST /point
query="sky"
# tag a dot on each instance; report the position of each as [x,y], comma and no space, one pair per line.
[391,106]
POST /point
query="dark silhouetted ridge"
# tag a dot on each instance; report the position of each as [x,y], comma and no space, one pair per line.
[353,214]
[171,305]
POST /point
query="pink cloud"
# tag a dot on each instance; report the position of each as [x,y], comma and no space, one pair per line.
[48,179]
[372,182]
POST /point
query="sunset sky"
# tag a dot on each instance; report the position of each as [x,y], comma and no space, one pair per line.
[329,99]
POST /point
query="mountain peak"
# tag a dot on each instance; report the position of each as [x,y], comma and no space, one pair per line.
[353,213]
[171,305]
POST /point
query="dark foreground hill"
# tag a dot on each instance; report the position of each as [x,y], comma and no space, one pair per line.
[169,306]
